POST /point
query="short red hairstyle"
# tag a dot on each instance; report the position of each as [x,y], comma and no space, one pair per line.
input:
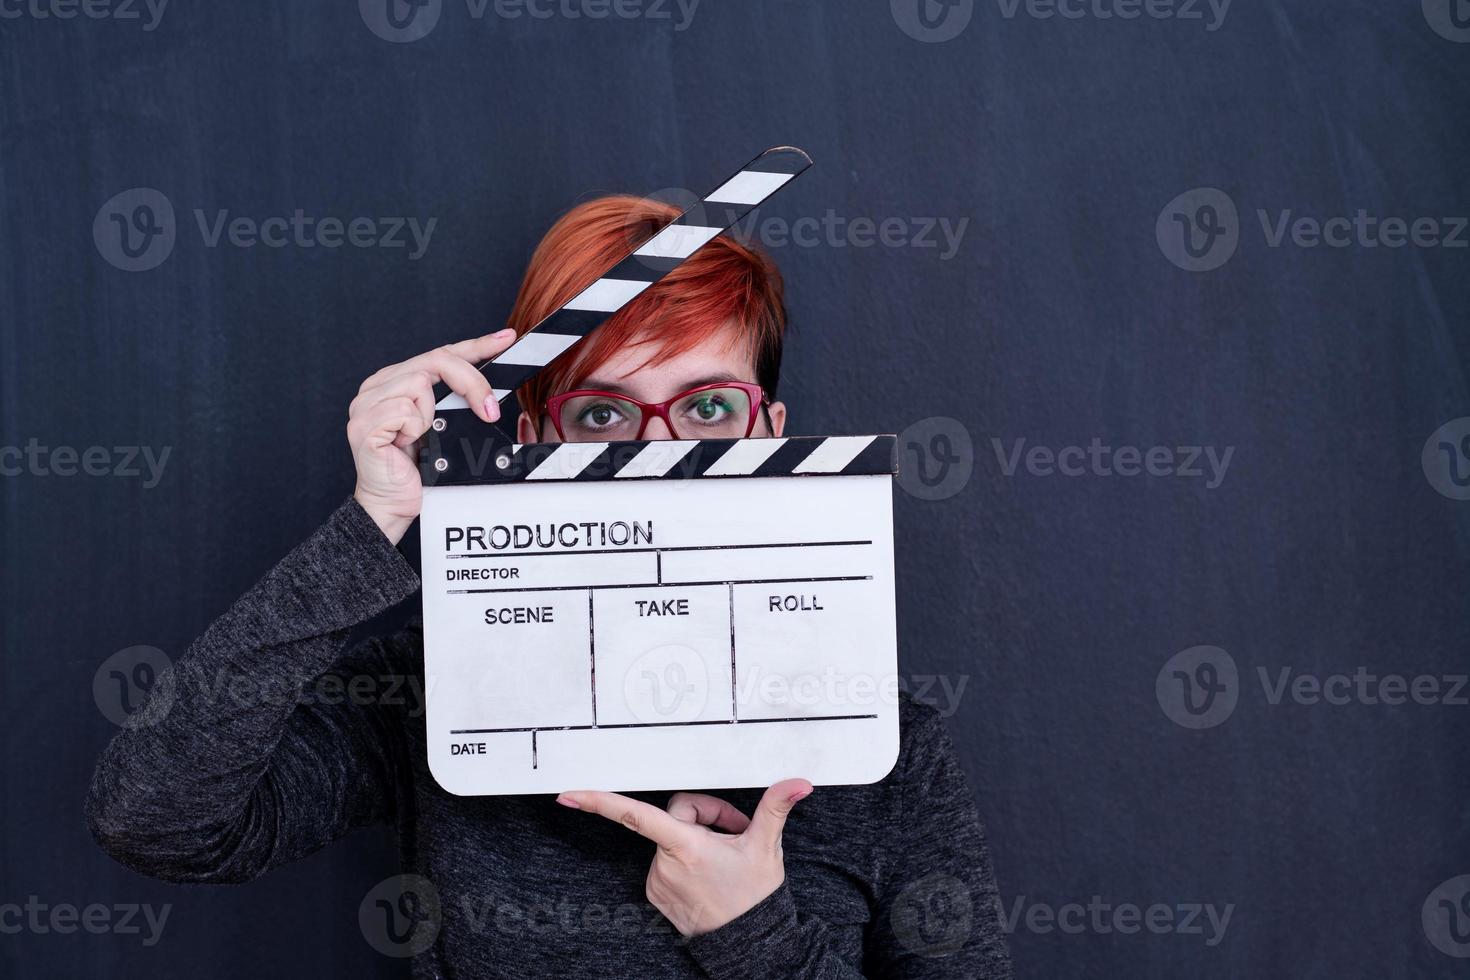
[723,283]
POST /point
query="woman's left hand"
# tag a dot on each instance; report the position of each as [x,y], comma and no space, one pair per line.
[702,879]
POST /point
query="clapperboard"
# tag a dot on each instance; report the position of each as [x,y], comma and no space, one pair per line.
[657,614]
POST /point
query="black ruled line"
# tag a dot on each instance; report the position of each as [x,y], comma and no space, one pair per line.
[665,585]
[592,654]
[658,724]
[639,551]
[733,712]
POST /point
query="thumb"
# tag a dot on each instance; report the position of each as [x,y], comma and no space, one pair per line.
[775,806]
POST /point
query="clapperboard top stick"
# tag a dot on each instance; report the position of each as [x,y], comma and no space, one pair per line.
[463,449]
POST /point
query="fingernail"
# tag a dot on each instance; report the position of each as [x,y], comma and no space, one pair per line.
[502,334]
[492,408]
[799,795]
[568,801]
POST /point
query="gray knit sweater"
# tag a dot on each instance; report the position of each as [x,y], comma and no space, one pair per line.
[266,742]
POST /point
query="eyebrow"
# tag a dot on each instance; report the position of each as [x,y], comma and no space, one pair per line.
[618,389]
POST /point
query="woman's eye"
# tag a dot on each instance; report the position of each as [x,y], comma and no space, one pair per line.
[600,416]
[710,409]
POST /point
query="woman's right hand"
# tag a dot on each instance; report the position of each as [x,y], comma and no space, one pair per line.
[392,411]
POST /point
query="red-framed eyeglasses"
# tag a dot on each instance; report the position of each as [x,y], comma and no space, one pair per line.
[722,410]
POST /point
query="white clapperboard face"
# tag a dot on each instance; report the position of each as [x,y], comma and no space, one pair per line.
[655,615]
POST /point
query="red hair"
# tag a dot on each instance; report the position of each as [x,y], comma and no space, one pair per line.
[722,283]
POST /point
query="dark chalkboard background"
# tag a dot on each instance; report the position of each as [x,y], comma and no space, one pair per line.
[1074,150]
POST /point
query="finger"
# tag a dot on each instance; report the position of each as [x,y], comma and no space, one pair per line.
[710,811]
[402,431]
[474,349]
[775,806]
[413,384]
[475,352]
[391,418]
[463,379]
[478,349]
[411,434]
[415,428]
[470,352]
[643,819]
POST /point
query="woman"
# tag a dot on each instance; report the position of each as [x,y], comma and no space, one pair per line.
[234,766]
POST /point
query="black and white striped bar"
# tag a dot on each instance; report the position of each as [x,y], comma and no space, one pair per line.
[685,459]
[646,265]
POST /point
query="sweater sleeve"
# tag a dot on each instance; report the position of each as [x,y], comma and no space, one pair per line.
[232,765]
[939,911]
[938,905]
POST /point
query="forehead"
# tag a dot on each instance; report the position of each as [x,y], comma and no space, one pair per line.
[638,370]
